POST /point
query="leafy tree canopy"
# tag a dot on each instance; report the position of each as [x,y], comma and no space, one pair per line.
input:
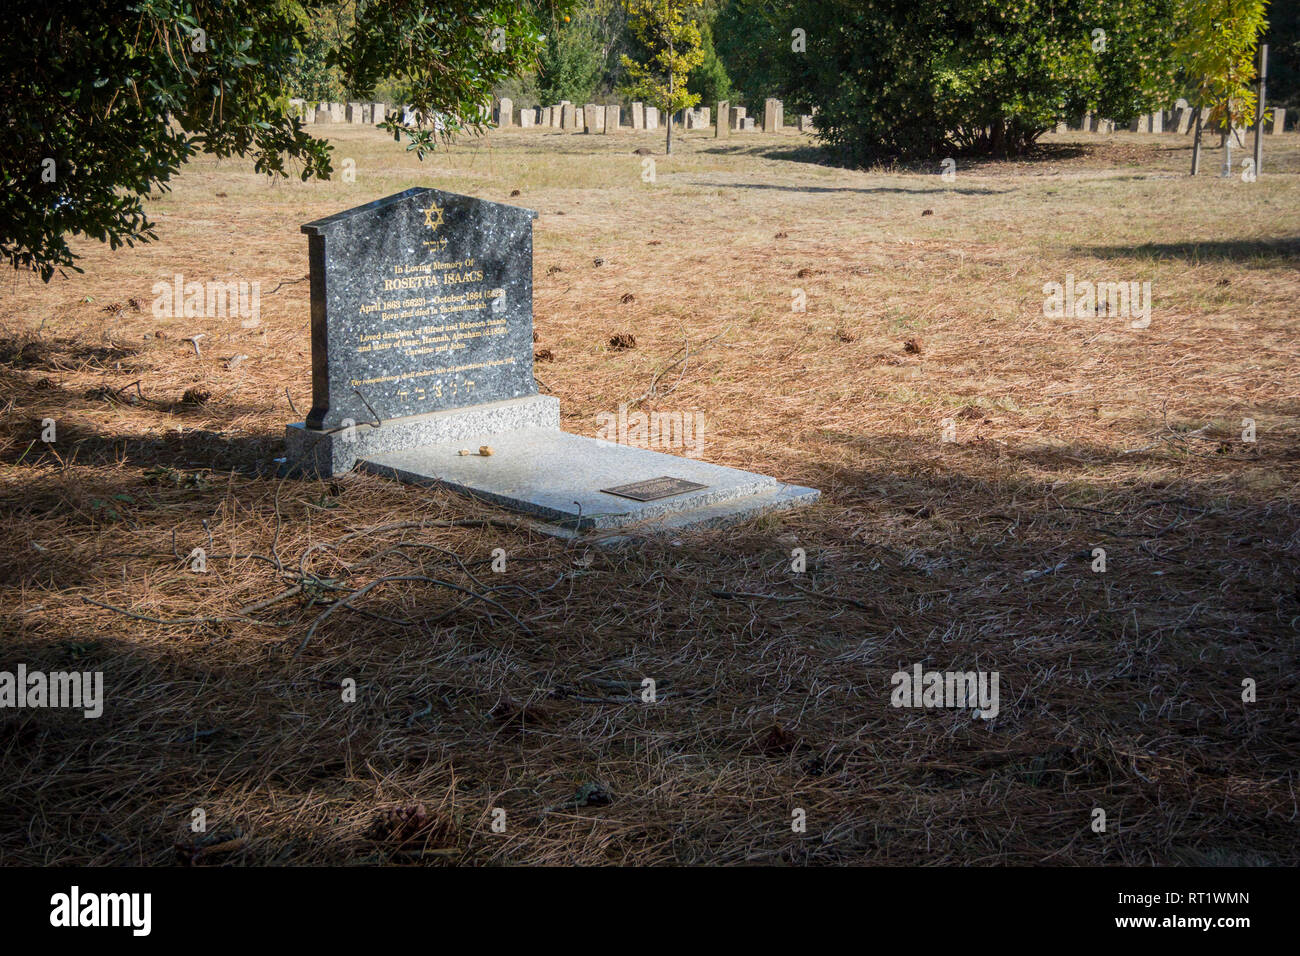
[672,44]
[103,100]
[570,64]
[1218,51]
[917,80]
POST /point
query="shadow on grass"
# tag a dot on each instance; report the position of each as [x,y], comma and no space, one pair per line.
[1245,251]
[198,442]
[824,156]
[940,188]
[945,567]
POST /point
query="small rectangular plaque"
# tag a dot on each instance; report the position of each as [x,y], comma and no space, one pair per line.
[652,489]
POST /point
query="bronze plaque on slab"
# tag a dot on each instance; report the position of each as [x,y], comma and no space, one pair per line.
[652,489]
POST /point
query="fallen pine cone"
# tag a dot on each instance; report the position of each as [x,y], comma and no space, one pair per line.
[407,825]
[509,710]
[777,740]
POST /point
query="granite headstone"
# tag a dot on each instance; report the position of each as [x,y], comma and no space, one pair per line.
[420,302]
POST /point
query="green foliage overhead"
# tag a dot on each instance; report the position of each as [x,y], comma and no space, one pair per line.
[452,54]
[103,100]
[87,94]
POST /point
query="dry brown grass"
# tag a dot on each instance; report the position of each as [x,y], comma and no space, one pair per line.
[1119,690]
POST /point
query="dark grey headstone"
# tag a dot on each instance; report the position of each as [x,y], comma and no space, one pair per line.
[420,302]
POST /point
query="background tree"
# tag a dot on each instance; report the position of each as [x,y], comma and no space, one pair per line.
[1218,51]
[917,81]
[609,21]
[1283,39]
[453,53]
[745,39]
[570,61]
[673,50]
[710,81]
[311,76]
[103,101]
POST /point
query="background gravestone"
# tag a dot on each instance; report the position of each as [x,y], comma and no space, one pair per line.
[773,115]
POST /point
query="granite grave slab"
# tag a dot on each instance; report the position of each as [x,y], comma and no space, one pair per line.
[422,362]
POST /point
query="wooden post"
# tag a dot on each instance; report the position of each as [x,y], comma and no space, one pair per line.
[1227,144]
[1196,143]
[1259,107]
[668,113]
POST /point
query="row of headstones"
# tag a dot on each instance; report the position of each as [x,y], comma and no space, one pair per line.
[592,118]
[1180,119]
[359,113]
[595,118]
